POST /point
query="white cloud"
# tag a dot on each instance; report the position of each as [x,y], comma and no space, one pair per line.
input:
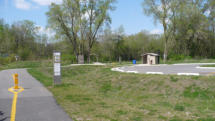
[47,2]
[156,31]
[27,4]
[22,4]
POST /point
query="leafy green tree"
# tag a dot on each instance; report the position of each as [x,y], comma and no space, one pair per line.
[5,38]
[66,19]
[159,9]
[21,38]
[97,12]
[189,28]
[80,21]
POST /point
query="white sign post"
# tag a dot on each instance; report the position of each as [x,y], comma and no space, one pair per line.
[57,68]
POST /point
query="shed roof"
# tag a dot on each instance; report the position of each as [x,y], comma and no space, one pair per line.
[152,54]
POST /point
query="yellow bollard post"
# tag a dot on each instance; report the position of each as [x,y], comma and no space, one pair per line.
[15,90]
[15,77]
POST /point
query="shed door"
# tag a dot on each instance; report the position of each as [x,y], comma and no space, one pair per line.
[145,59]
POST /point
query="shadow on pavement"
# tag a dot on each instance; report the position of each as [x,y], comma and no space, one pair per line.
[2,118]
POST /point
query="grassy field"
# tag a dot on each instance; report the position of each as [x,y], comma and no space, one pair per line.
[189,61]
[173,61]
[30,64]
[208,65]
[94,93]
[27,64]
[48,63]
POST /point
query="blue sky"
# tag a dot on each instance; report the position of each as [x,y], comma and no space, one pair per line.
[128,13]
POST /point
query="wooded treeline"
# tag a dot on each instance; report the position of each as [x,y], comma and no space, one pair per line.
[22,39]
[82,27]
[188,25]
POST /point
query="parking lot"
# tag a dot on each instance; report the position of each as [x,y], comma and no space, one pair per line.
[175,69]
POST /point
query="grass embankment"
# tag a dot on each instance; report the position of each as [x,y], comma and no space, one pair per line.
[189,61]
[30,64]
[173,61]
[27,64]
[208,65]
[95,93]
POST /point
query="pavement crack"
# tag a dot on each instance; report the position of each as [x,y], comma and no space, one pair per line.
[2,115]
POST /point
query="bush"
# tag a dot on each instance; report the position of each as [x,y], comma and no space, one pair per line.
[178,57]
[7,60]
[68,59]
[24,54]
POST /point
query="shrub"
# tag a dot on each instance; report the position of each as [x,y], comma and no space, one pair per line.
[68,58]
[178,57]
[24,54]
[7,60]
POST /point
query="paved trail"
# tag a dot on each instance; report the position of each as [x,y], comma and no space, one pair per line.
[35,103]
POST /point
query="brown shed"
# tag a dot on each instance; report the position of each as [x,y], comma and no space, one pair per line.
[150,58]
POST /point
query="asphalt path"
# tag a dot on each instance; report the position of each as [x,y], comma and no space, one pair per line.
[177,69]
[35,103]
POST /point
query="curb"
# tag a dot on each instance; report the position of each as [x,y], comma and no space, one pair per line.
[158,73]
[205,67]
[188,74]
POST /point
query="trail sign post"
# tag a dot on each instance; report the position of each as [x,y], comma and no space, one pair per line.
[57,68]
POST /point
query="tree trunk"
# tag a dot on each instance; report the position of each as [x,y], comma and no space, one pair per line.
[165,52]
[164,18]
[120,60]
[77,59]
[88,55]
[165,44]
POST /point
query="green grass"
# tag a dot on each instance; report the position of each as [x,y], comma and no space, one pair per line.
[123,63]
[96,93]
[170,61]
[179,107]
[208,65]
[27,64]
[45,80]
[30,64]
[173,79]
[189,61]
[1,68]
